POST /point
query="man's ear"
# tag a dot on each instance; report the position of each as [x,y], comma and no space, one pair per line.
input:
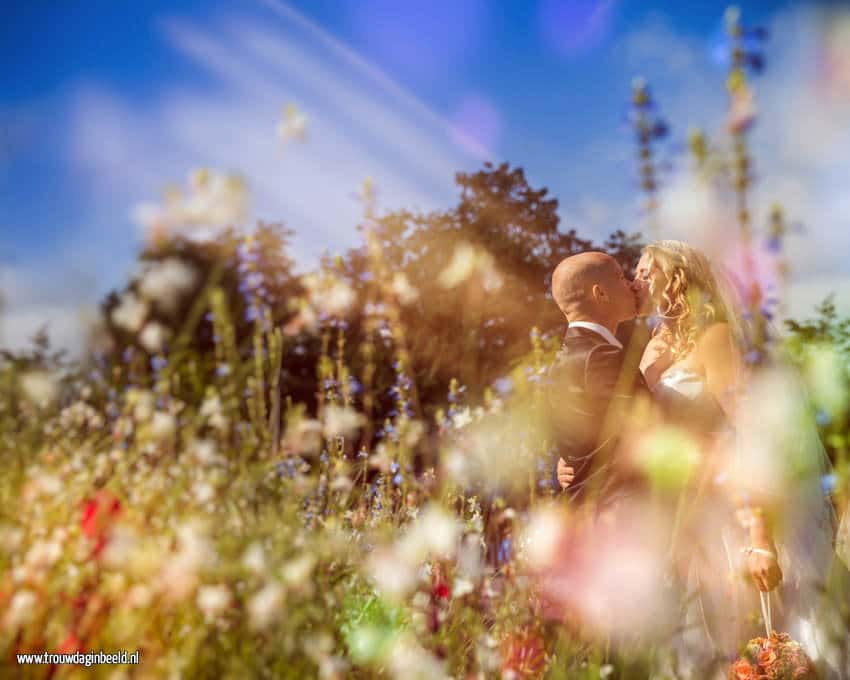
[598,293]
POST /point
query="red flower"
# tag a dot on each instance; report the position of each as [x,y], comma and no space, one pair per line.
[767,657]
[71,644]
[98,513]
[742,670]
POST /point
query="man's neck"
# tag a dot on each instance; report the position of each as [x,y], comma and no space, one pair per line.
[605,324]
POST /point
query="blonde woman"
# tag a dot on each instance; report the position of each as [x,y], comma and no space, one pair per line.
[694,364]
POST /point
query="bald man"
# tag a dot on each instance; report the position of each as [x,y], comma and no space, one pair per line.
[592,380]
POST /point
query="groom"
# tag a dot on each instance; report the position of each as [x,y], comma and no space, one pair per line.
[594,380]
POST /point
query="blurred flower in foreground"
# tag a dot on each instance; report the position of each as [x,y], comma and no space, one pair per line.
[164,282]
[467,260]
[410,661]
[609,572]
[39,387]
[130,313]
[667,456]
[825,373]
[395,568]
[293,126]
[212,200]
[340,421]
[266,606]
[406,293]
[493,450]
[328,294]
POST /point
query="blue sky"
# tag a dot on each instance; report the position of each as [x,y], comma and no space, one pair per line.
[102,104]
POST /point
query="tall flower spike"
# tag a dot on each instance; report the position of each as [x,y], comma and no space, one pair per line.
[649,128]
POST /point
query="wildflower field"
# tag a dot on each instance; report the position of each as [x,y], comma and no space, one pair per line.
[348,472]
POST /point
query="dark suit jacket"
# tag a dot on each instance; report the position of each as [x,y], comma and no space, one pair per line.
[591,385]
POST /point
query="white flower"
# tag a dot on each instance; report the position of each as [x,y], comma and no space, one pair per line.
[463,263]
[462,587]
[341,421]
[405,292]
[49,485]
[213,200]
[254,559]
[435,532]
[163,426]
[328,293]
[462,418]
[265,606]
[411,661]
[165,281]
[179,576]
[130,313]
[393,576]
[211,406]
[293,125]
[296,572]
[40,387]
[203,492]
[139,596]
[21,608]
[154,336]
[467,260]
[303,437]
[43,554]
[213,600]
[11,539]
[204,451]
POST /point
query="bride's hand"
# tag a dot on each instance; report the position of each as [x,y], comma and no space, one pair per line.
[566,474]
[764,569]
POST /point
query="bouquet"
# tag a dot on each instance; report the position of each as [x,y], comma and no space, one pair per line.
[776,657]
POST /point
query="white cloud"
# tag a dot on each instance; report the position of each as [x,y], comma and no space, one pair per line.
[32,300]
[361,124]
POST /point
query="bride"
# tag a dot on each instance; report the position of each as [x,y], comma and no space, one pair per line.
[746,532]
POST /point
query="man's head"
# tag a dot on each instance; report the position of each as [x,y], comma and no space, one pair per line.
[592,287]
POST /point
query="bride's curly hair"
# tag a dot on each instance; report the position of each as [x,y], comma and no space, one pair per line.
[691,296]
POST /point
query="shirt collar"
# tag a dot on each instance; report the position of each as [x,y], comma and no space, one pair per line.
[600,329]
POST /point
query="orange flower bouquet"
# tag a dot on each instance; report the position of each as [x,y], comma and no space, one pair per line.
[777,657]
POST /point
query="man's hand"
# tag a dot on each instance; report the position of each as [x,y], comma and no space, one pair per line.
[566,474]
[764,570]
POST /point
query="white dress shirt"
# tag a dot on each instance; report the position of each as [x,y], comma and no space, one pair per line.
[598,328]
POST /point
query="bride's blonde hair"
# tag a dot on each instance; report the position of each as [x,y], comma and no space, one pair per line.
[693,295]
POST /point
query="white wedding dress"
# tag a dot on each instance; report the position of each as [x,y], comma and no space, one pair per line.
[722,609]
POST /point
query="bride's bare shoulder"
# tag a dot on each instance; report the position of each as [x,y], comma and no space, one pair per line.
[719,331]
[716,341]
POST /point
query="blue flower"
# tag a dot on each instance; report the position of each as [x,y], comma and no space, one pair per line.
[394,466]
[823,417]
[398,479]
[828,483]
[505,550]
[774,244]
[504,386]
[158,363]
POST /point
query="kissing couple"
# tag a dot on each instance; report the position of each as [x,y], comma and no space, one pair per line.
[746,533]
